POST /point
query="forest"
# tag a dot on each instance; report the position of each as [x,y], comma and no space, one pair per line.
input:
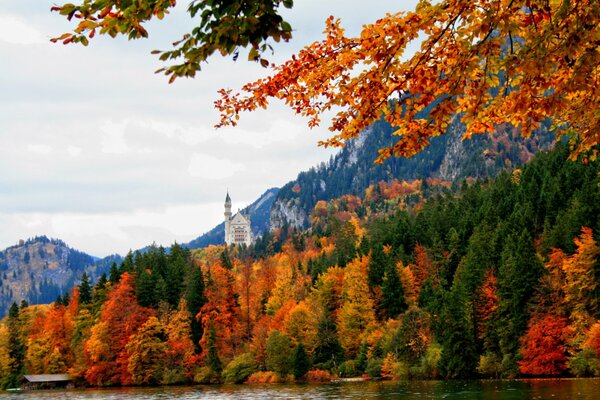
[412,280]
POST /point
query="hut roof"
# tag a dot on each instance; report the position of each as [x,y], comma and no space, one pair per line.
[48,378]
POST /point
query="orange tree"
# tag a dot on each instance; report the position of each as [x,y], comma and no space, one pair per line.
[488,61]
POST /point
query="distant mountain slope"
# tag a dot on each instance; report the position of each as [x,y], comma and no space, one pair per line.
[39,269]
[259,212]
[448,157]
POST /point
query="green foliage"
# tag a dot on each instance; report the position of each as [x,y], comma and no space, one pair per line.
[428,367]
[212,360]
[239,369]
[348,369]
[301,362]
[373,368]
[280,353]
[361,360]
[224,27]
[585,363]
[85,289]
[393,301]
[206,375]
[195,299]
[518,277]
[328,349]
[459,354]
[490,365]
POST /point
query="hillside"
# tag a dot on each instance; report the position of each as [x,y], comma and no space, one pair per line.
[497,278]
[259,212]
[39,269]
[448,158]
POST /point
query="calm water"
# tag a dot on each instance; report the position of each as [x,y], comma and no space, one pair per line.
[585,389]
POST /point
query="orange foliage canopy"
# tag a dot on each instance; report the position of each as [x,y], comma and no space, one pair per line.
[121,317]
[545,51]
[543,346]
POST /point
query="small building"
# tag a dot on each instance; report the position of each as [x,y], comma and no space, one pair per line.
[238,229]
[47,381]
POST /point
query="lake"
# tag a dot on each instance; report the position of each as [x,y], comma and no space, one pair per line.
[584,389]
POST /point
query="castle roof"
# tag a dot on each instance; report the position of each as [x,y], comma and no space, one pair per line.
[227,198]
[240,218]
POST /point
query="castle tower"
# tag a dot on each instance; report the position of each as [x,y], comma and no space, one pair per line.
[227,218]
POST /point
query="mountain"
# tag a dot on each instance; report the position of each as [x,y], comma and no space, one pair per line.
[40,269]
[259,212]
[448,158]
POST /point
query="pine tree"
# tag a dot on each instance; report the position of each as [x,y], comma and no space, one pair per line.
[393,301]
[115,274]
[518,276]
[85,290]
[301,363]
[195,298]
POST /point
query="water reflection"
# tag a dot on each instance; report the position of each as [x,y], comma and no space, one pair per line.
[567,389]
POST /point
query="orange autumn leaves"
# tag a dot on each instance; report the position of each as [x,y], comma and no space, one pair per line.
[540,58]
[565,326]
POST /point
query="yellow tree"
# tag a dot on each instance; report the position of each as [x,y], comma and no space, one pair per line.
[539,56]
[356,315]
[580,282]
[147,349]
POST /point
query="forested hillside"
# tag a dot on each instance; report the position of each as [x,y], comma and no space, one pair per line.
[39,269]
[411,279]
[448,157]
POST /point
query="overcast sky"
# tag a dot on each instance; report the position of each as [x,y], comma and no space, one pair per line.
[97,150]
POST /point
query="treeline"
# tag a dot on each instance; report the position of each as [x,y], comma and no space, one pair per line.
[493,279]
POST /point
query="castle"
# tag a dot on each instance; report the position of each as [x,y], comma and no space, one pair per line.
[237,228]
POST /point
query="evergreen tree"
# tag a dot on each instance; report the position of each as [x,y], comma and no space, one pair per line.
[361,360]
[195,298]
[518,277]
[377,265]
[459,355]
[146,293]
[85,290]
[280,353]
[328,349]
[393,301]
[178,260]
[115,274]
[16,348]
[301,363]
[225,260]
[212,359]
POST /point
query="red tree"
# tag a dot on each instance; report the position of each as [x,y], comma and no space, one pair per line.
[122,316]
[543,346]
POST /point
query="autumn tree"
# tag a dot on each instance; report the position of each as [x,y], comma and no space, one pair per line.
[179,356]
[219,315]
[147,349]
[356,315]
[538,55]
[580,282]
[544,346]
[106,350]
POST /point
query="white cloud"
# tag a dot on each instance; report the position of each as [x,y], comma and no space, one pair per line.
[213,168]
[74,151]
[40,148]
[16,30]
[113,141]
